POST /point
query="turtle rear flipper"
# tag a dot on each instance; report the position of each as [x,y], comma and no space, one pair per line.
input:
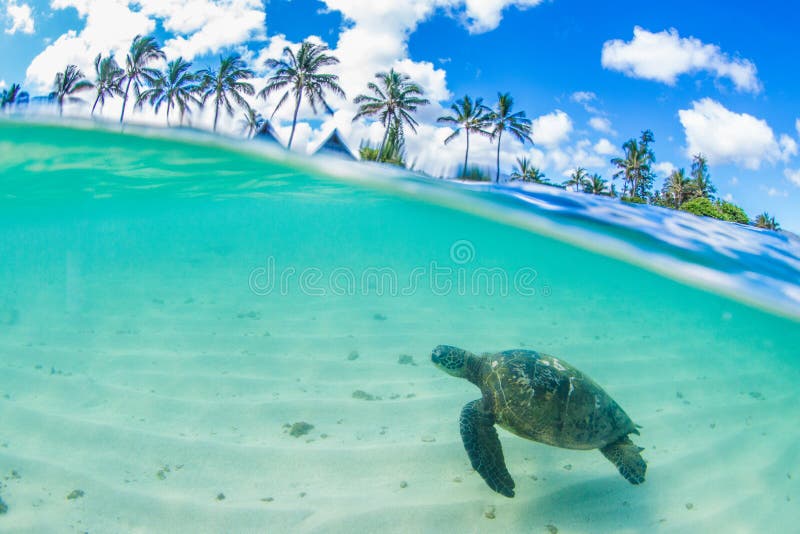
[483,447]
[625,455]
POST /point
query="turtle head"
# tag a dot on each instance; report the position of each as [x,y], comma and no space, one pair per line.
[451,360]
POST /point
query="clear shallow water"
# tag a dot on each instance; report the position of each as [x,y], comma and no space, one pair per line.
[167,306]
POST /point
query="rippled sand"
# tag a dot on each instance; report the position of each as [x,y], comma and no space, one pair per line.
[173,417]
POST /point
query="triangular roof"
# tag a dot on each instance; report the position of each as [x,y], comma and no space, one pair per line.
[268,133]
[335,145]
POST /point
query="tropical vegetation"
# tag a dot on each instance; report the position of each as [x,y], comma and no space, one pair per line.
[143,51]
[300,75]
[108,79]
[526,172]
[225,84]
[175,87]
[469,116]
[502,119]
[392,100]
[68,83]
[13,95]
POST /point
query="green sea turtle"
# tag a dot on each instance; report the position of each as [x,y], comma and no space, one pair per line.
[541,398]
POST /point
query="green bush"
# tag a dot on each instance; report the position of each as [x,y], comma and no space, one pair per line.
[733,213]
[724,211]
[634,200]
[476,174]
[703,207]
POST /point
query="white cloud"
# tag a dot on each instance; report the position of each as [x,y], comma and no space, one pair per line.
[728,137]
[604,147]
[204,26]
[552,129]
[797,126]
[2,84]
[373,38]
[485,15]
[666,55]
[601,124]
[788,147]
[775,192]
[200,26]
[664,168]
[793,175]
[582,97]
[21,17]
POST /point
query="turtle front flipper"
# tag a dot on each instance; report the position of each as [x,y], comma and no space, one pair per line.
[483,447]
[624,454]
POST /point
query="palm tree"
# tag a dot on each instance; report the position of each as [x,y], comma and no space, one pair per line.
[68,83]
[596,185]
[526,172]
[635,167]
[226,83]
[12,95]
[468,116]
[677,187]
[394,100]
[765,220]
[503,119]
[143,50]
[109,79]
[701,177]
[577,178]
[176,87]
[252,121]
[299,74]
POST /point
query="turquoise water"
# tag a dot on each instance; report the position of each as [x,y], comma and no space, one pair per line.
[171,302]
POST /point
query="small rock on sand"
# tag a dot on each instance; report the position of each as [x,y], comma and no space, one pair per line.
[489,512]
[427,438]
[353,355]
[300,428]
[403,484]
[363,395]
[405,359]
[551,528]
[75,494]
[220,496]
[3,507]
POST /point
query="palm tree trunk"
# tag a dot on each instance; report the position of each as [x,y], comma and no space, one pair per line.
[499,137]
[216,113]
[294,119]
[169,103]
[466,156]
[60,107]
[96,100]
[383,141]
[125,100]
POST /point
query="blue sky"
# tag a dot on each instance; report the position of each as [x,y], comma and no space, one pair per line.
[716,77]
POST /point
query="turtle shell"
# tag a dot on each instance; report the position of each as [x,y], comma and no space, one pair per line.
[542,398]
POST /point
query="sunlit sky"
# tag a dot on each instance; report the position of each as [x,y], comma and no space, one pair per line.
[713,77]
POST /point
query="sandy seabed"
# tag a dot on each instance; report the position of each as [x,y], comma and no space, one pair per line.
[174,413]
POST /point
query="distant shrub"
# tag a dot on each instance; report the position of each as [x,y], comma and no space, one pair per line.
[476,174]
[634,200]
[722,210]
[733,213]
[703,207]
